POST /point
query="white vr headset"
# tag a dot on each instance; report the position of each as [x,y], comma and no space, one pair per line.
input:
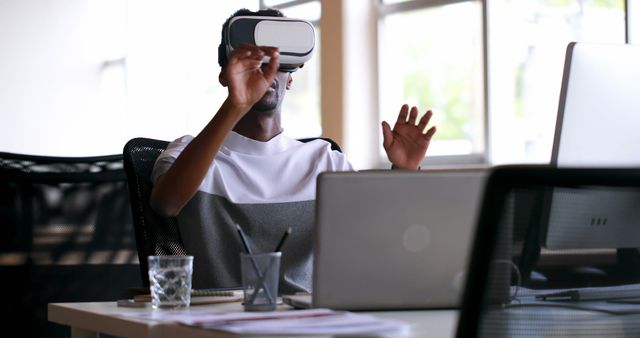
[295,38]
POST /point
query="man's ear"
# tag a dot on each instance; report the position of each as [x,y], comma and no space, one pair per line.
[223,81]
[289,80]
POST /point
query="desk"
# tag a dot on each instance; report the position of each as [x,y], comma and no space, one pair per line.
[87,319]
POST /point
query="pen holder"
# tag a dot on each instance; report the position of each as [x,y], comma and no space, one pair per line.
[260,274]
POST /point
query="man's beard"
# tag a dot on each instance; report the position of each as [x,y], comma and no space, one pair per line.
[271,98]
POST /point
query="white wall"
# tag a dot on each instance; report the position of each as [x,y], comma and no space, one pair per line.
[81,77]
[52,73]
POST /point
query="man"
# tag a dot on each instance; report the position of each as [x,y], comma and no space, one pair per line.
[241,169]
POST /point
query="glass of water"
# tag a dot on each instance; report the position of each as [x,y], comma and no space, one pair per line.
[170,281]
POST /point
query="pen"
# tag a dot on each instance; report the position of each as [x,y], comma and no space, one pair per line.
[261,278]
[284,238]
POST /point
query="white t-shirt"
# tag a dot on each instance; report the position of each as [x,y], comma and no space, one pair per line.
[265,187]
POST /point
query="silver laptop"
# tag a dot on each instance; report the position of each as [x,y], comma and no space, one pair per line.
[392,239]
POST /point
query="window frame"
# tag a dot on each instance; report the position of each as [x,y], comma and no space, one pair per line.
[289,4]
[284,5]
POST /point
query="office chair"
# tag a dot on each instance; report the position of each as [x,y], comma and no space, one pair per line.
[155,235]
[334,145]
[495,301]
[66,224]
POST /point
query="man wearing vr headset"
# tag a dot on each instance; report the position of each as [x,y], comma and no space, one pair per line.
[241,169]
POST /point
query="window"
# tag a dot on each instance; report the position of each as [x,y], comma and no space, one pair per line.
[110,71]
[430,56]
[301,115]
[527,44]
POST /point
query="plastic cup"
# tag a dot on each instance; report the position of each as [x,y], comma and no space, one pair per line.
[260,274]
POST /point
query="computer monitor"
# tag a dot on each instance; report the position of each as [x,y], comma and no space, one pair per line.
[599,107]
[597,126]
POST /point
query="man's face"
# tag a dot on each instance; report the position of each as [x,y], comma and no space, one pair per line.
[275,93]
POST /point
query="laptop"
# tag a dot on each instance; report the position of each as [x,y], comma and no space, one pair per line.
[392,239]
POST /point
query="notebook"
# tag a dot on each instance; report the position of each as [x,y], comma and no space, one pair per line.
[392,239]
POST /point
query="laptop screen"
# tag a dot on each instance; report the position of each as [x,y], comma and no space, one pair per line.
[393,239]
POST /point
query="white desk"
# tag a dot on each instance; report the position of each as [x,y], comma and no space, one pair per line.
[88,319]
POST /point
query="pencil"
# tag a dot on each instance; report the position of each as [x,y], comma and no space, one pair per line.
[284,238]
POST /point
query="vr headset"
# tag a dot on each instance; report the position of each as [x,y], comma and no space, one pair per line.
[295,38]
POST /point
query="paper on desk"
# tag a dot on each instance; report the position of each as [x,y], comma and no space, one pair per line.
[315,321]
[300,322]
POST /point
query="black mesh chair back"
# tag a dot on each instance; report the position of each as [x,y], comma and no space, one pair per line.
[155,235]
[555,255]
[66,236]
